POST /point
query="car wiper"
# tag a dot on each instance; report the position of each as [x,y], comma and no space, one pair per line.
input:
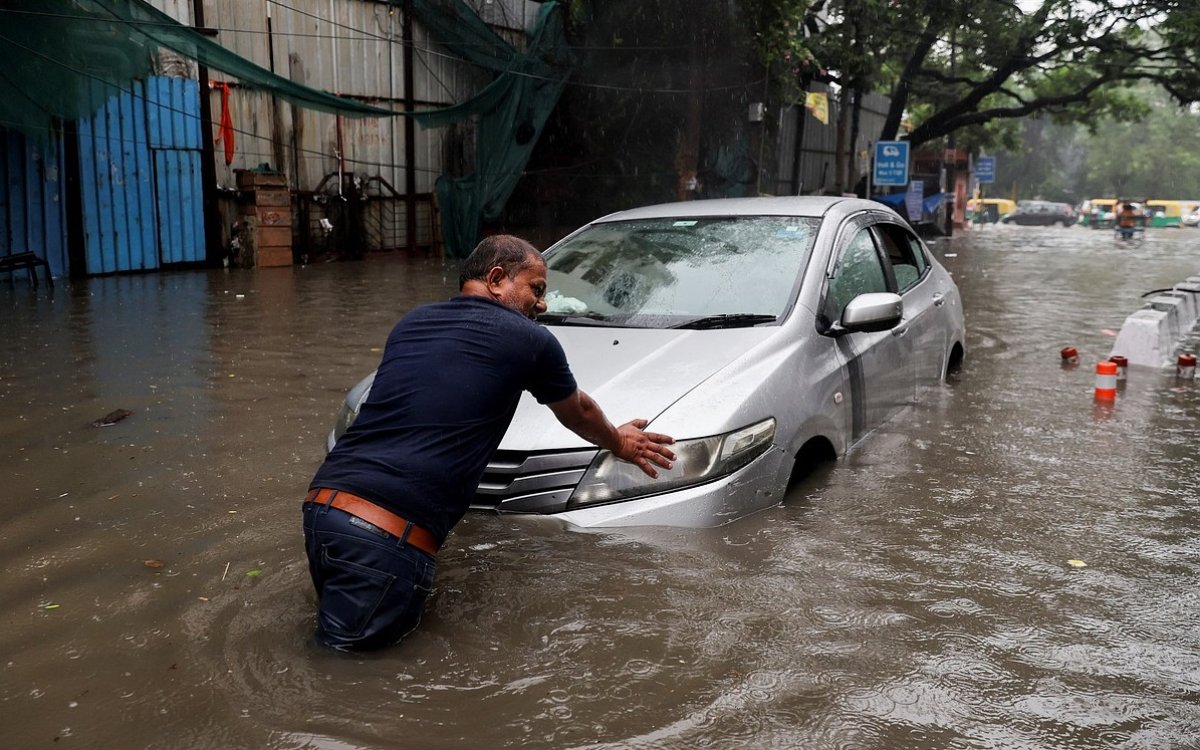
[588,318]
[729,320]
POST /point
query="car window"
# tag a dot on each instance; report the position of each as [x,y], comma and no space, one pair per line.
[660,272]
[904,253]
[858,271]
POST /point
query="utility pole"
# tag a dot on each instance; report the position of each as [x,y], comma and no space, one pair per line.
[410,132]
[208,170]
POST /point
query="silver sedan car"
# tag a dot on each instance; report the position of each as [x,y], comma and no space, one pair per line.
[764,334]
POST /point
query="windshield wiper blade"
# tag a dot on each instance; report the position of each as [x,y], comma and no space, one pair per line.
[588,318]
[729,320]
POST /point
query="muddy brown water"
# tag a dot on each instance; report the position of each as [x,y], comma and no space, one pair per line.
[916,594]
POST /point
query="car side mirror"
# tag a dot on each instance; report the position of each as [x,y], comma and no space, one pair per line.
[873,311]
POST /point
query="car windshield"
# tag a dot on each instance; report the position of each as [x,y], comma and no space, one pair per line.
[688,272]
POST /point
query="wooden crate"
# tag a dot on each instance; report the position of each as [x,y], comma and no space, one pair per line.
[273,197]
[273,236]
[273,256]
[247,180]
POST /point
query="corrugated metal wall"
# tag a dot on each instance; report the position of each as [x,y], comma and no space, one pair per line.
[355,48]
[117,186]
[32,202]
[818,152]
[139,160]
[352,47]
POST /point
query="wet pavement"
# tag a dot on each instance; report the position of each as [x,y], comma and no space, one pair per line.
[916,594]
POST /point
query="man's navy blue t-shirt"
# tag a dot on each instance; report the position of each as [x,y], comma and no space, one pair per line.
[444,394]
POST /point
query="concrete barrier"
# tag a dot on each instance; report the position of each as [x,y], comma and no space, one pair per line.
[1150,336]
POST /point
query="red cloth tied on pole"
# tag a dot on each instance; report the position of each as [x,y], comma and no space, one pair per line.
[225,131]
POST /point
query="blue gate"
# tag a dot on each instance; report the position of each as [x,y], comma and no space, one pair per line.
[139,160]
[32,203]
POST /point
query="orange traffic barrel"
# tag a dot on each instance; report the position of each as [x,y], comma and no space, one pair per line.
[1106,381]
[1070,356]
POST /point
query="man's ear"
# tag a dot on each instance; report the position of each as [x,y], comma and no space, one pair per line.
[495,276]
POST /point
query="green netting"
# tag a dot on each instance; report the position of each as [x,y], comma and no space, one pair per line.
[64,58]
[511,111]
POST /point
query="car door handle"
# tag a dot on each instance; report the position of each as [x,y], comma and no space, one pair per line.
[899,331]
[939,299]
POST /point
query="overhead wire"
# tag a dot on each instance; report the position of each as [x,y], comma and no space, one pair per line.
[368,36]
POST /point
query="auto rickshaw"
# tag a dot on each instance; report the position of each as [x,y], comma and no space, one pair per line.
[1165,213]
[989,210]
[1098,213]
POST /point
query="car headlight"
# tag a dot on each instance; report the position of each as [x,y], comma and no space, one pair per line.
[351,405]
[697,461]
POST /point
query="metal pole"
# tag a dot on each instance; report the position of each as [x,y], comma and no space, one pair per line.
[870,167]
[410,135]
[208,168]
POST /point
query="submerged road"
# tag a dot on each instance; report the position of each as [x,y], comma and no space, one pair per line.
[917,594]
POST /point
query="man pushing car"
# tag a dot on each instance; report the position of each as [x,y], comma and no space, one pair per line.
[405,472]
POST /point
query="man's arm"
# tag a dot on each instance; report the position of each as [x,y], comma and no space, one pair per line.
[583,416]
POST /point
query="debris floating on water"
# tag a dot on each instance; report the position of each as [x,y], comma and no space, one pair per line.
[1077,563]
[112,418]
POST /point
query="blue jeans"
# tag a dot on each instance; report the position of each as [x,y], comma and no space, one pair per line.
[371,588]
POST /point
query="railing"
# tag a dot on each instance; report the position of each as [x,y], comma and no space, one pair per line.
[365,215]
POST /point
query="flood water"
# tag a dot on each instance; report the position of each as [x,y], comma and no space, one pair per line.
[915,594]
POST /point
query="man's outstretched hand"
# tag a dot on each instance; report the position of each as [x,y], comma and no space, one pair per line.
[644,449]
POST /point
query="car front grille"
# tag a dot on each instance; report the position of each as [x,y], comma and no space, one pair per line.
[531,482]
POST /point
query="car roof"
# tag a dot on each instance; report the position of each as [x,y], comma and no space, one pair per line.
[800,205]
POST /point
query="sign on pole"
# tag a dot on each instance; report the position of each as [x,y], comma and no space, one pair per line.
[985,170]
[914,200]
[891,163]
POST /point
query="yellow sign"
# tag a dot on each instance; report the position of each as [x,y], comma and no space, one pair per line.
[817,102]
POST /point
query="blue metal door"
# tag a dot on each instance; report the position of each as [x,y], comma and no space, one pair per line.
[140,178]
[32,204]
[174,115]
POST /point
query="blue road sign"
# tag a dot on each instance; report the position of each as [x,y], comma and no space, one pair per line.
[985,170]
[891,163]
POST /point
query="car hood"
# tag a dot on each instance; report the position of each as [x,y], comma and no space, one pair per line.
[633,373]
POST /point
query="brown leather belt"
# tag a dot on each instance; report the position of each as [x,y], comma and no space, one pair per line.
[402,529]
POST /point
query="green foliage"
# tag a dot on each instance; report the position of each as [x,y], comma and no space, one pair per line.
[777,40]
[1148,157]
[953,66]
[1152,158]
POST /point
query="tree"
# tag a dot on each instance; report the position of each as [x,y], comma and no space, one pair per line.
[1151,157]
[952,65]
